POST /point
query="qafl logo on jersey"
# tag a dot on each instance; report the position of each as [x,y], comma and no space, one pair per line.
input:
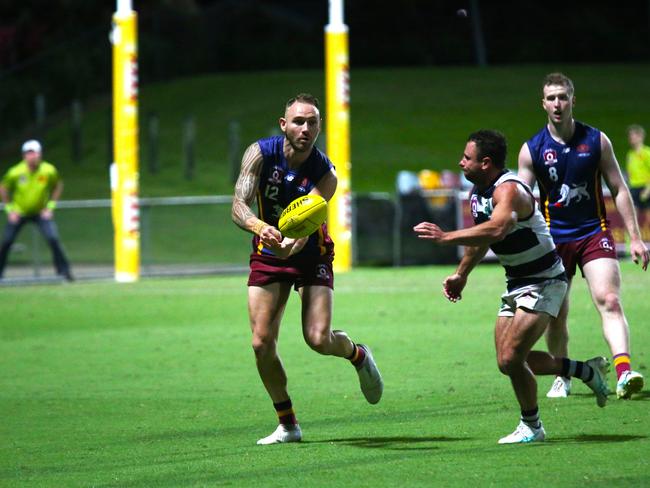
[550,157]
[276,175]
[474,206]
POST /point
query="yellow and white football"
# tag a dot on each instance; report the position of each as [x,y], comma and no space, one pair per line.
[303,216]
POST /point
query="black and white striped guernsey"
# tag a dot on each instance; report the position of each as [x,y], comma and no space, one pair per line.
[527,253]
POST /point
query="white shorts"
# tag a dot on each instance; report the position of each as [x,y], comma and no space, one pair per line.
[546,296]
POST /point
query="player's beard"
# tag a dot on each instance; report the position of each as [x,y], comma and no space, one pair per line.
[299,149]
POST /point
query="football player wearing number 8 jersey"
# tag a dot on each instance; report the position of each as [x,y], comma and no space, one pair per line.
[274,172]
[568,159]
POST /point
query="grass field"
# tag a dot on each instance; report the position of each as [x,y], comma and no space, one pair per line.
[154,384]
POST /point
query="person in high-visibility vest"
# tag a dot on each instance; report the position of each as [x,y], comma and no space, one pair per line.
[30,191]
[638,167]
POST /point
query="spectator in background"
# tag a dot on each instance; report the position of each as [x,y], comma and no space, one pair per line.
[29,191]
[638,167]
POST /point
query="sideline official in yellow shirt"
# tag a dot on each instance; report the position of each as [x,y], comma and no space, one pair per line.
[638,167]
[29,191]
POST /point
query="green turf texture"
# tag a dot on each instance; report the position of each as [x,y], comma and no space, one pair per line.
[154,385]
[401,118]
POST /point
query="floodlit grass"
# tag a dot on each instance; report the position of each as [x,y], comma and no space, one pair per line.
[154,384]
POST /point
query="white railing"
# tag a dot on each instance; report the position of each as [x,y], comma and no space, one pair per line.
[31,256]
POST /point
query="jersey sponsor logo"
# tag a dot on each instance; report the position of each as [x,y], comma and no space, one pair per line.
[567,194]
[42,179]
[550,157]
[606,244]
[584,151]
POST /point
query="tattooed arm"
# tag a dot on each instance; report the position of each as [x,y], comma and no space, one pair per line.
[247,183]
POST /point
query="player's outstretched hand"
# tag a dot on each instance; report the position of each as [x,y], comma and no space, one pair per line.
[270,236]
[453,286]
[639,252]
[289,247]
[427,230]
[297,244]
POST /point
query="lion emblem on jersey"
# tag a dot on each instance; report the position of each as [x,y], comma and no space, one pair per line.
[568,194]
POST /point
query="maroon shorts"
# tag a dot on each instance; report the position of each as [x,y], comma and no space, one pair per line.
[580,252]
[308,271]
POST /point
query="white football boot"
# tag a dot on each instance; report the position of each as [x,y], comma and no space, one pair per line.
[561,388]
[630,382]
[370,380]
[598,382]
[281,435]
[524,434]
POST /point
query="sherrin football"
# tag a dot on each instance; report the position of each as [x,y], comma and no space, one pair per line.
[303,216]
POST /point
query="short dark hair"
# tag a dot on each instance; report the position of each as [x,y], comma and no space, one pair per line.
[491,144]
[559,79]
[304,98]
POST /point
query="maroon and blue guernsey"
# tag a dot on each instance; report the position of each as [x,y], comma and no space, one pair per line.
[569,178]
[279,185]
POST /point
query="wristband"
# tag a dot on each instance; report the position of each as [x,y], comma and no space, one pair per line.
[259,225]
[51,205]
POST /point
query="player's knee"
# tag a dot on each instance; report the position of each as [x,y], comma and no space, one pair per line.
[503,365]
[263,346]
[508,361]
[611,303]
[318,341]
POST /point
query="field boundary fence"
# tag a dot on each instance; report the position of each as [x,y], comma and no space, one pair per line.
[194,235]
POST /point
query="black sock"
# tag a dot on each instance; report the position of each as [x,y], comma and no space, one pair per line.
[578,369]
[531,418]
